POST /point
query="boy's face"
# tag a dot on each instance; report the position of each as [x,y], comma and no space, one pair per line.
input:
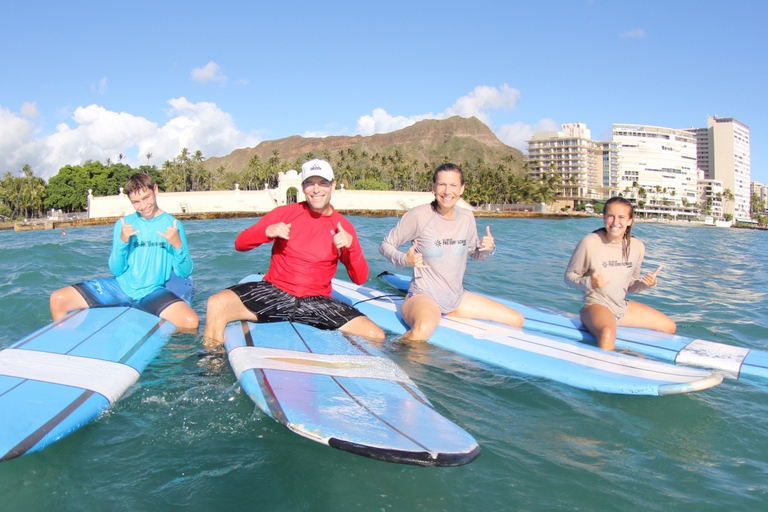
[144,201]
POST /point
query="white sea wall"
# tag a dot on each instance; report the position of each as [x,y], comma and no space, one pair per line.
[256,201]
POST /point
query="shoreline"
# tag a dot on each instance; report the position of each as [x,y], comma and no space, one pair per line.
[47,224]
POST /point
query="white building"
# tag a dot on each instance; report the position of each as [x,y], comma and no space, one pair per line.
[659,166]
[711,197]
[761,191]
[586,168]
[723,154]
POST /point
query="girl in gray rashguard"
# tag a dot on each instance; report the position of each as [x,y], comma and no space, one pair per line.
[443,235]
[606,266]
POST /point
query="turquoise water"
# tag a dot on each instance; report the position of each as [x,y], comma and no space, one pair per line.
[187,438]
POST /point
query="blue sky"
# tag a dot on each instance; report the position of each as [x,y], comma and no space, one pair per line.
[84,80]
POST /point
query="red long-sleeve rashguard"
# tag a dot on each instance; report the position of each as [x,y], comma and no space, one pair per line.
[304,264]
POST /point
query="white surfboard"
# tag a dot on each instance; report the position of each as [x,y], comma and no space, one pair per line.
[343,392]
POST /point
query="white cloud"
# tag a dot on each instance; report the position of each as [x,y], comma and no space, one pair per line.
[15,132]
[209,73]
[100,87]
[99,134]
[637,33]
[478,103]
[516,134]
[29,110]
[483,99]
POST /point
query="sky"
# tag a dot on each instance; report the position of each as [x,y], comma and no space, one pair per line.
[91,80]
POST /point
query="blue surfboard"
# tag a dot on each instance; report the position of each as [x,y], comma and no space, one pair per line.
[63,376]
[343,392]
[559,359]
[731,361]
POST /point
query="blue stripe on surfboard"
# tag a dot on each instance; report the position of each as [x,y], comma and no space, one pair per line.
[560,359]
[655,344]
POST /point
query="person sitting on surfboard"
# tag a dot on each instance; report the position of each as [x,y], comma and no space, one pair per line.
[147,246]
[309,239]
[443,235]
[606,265]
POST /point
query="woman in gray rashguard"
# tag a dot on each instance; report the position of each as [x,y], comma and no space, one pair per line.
[442,236]
[606,265]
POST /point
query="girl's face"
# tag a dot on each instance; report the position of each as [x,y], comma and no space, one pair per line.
[617,219]
[447,189]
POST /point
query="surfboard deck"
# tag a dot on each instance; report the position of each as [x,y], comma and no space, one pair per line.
[343,392]
[731,361]
[559,359]
[64,375]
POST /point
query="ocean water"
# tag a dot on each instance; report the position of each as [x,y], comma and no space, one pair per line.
[187,438]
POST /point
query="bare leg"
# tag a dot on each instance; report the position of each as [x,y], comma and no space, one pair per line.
[181,316]
[222,308]
[640,315]
[483,308]
[363,326]
[601,322]
[64,300]
[422,314]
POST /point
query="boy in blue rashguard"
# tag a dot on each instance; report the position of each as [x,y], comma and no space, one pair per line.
[146,247]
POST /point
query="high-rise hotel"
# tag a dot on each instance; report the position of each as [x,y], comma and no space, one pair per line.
[677,173]
[723,155]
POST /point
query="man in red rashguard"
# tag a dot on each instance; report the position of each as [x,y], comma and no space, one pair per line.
[309,239]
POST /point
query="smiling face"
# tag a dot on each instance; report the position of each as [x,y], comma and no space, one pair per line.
[144,201]
[617,218]
[447,188]
[318,193]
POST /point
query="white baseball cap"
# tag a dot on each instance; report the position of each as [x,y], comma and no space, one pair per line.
[316,167]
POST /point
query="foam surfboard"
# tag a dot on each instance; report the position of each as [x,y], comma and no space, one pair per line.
[343,392]
[559,359]
[64,375]
[730,360]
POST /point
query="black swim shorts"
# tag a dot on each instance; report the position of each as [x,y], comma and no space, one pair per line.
[271,304]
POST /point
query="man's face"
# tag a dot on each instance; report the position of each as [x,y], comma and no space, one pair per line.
[318,193]
[144,201]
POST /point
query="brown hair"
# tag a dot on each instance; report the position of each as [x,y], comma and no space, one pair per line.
[627,237]
[139,181]
[446,167]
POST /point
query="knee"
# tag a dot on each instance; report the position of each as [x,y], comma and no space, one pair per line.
[215,305]
[189,321]
[516,319]
[56,297]
[376,334]
[670,327]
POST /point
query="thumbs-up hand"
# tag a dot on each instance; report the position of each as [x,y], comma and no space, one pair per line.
[650,279]
[487,243]
[598,281]
[342,238]
[413,258]
[172,235]
[279,230]
[127,231]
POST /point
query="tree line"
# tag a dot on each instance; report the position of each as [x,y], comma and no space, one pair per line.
[28,196]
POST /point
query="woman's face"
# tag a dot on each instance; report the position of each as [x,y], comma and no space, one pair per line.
[617,219]
[447,188]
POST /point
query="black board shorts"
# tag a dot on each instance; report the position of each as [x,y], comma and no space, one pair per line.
[271,304]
